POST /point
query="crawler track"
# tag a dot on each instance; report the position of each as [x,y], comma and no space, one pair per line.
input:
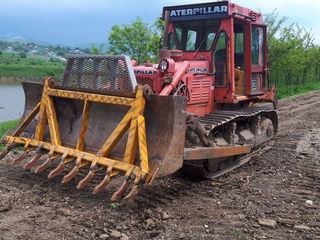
[215,124]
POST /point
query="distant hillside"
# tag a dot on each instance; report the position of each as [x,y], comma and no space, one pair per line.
[21,39]
[28,49]
[15,38]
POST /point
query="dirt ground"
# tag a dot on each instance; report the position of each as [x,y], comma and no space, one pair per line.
[282,186]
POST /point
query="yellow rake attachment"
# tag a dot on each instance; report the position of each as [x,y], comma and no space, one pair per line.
[47,139]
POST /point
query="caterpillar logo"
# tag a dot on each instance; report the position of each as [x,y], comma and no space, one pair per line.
[145,72]
[198,70]
[198,11]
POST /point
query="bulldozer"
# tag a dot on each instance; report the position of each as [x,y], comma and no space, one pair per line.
[197,110]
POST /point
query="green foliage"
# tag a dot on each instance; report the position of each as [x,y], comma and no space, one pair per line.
[31,71]
[139,40]
[115,205]
[33,48]
[293,56]
[5,126]
[17,59]
[292,90]
[22,54]
[16,65]
[97,50]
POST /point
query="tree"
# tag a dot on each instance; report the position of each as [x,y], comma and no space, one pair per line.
[293,56]
[22,54]
[139,40]
[97,50]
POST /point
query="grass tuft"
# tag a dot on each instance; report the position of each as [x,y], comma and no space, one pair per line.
[5,126]
[290,91]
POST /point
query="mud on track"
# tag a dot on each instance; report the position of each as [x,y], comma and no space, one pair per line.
[274,186]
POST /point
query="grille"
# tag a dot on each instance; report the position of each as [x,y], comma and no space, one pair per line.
[111,73]
[145,80]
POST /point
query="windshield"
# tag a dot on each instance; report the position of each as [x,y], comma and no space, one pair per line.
[193,35]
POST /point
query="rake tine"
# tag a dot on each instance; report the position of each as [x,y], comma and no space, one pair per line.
[70,175]
[103,184]
[134,191]
[86,180]
[23,155]
[35,158]
[4,153]
[46,164]
[73,172]
[117,195]
[19,159]
[55,172]
[90,175]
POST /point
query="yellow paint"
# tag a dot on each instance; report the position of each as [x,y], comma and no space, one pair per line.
[133,122]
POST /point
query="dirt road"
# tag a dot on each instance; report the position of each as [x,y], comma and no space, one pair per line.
[282,186]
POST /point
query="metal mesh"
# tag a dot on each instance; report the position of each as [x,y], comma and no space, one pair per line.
[145,80]
[111,73]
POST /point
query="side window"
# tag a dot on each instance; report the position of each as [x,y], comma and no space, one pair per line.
[239,42]
[210,39]
[257,44]
[220,60]
[171,42]
[191,40]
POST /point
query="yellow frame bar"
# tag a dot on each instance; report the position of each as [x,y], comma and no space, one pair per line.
[133,122]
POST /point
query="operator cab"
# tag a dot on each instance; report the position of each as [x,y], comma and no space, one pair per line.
[230,37]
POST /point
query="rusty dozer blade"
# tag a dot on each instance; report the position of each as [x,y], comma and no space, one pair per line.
[112,132]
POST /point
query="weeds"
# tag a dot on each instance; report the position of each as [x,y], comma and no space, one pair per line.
[5,126]
[115,205]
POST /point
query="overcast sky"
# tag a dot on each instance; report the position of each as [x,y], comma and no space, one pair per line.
[89,21]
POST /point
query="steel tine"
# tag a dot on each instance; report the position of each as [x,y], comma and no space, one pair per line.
[117,195]
[19,159]
[137,186]
[86,180]
[73,172]
[23,155]
[46,164]
[134,192]
[103,184]
[55,172]
[4,153]
[128,180]
[90,175]
[34,159]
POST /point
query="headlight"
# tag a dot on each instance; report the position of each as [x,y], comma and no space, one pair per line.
[163,65]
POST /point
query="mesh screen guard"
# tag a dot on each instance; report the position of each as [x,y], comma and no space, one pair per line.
[110,73]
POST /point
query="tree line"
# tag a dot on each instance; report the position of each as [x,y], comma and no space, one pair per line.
[294,57]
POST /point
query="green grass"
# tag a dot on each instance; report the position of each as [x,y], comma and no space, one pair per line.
[289,91]
[4,126]
[31,71]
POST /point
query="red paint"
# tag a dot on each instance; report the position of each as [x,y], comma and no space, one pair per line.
[205,96]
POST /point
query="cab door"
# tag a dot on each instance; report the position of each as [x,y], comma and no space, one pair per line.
[258,60]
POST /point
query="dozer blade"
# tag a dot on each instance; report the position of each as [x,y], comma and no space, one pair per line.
[111,132]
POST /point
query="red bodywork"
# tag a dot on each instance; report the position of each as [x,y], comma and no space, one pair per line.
[195,68]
